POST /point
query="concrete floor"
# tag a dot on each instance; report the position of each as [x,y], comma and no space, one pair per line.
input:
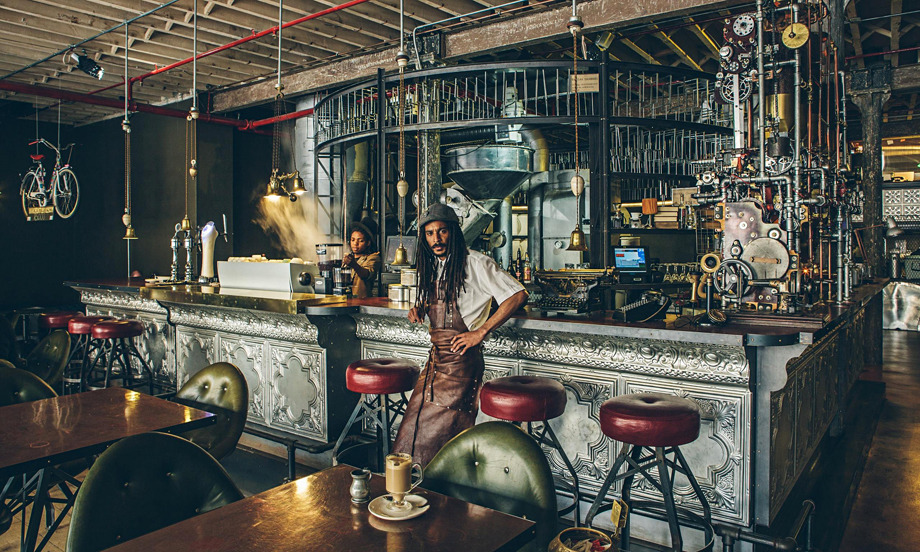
[885,505]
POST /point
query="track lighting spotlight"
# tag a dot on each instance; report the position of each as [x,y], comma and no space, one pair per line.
[87,64]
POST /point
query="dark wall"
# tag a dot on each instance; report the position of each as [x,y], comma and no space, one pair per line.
[252,165]
[38,256]
[34,256]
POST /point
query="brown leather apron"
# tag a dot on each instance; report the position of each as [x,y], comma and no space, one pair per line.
[445,400]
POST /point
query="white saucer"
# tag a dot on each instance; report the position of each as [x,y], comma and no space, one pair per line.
[419,507]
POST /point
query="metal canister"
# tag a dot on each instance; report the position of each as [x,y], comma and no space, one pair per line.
[398,293]
[408,276]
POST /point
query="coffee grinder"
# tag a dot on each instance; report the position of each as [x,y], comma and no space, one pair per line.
[328,260]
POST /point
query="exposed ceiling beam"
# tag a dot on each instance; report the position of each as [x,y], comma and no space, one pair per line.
[642,53]
[895,30]
[669,42]
[855,36]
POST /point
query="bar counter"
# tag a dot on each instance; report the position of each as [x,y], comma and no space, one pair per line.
[769,387]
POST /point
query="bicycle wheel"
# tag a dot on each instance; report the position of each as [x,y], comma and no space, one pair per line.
[29,192]
[66,193]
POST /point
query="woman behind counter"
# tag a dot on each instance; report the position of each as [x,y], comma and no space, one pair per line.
[364,260]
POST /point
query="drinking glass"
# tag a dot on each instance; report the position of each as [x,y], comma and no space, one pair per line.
[399,480]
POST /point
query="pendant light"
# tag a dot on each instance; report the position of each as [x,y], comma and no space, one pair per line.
[401,256]
[126,127]
[191,125]
[275,188]
[577,239]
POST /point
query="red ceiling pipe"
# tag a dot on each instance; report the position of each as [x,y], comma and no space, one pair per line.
[279,118]
[233,44]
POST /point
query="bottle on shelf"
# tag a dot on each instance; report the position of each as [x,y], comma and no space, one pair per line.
[528,269]
[519,266]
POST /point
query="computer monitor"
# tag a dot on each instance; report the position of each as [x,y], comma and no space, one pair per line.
[630,259]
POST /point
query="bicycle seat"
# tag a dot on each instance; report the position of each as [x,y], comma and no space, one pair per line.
[37,156]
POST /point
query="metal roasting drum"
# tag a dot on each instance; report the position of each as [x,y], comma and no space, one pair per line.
[490,171]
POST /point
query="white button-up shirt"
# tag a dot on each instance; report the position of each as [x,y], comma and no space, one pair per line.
[485,281]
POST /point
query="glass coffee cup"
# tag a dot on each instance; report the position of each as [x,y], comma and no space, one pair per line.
[399,470]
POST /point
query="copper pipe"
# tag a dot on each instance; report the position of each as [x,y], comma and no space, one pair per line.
[836,111]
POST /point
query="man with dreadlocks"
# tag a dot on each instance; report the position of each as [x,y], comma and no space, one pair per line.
[456,288]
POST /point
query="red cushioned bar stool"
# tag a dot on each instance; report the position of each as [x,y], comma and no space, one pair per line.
[80,328]
[651,427]
[50,321]
[520,399]
[117,349]
[376,379]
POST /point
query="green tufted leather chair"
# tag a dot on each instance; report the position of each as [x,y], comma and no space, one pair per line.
[19,386]
[499,466]
[144,483]
[9,348]
[49,358]
[222,390]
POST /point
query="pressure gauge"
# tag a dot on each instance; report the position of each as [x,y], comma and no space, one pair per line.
[743,25]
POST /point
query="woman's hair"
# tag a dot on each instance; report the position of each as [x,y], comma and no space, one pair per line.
[454,268]
[371,244]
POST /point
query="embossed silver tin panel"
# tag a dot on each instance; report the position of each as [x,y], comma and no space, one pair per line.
[297,389]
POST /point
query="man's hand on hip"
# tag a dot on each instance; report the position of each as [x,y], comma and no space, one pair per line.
[461,342]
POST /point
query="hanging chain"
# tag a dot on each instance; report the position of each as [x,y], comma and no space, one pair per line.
[188,125]
[575,90]
[402,145]
[127,173]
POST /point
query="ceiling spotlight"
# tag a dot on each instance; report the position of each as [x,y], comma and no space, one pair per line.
[87,64]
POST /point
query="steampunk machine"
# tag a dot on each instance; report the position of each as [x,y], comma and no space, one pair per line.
[783,196]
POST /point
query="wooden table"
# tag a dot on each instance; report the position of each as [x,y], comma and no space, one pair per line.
[316,513]
[37,435]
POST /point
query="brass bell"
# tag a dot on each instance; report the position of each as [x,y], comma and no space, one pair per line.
[577,240]
[129,233]
[186,224]
[401,256]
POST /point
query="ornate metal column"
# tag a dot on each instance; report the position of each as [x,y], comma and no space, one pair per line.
[429,150]
[870,90]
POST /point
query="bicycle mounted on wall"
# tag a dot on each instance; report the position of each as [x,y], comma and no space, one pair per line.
[63,190]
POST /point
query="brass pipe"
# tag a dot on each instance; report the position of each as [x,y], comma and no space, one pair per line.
[639,203]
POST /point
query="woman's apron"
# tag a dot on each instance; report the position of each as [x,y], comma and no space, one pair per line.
[445,400]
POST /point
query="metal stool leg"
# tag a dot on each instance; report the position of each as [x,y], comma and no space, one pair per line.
[553,442]
[596,506]
[677,542]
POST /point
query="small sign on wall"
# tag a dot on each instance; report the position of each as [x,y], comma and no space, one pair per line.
[586,83]
[40,213]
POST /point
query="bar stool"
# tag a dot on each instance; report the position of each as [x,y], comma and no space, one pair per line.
[80,328]
[658,424]
[117,344]
[50,321]
[520,399]
[376,379]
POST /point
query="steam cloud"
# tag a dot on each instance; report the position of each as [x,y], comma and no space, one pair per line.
[292,225]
